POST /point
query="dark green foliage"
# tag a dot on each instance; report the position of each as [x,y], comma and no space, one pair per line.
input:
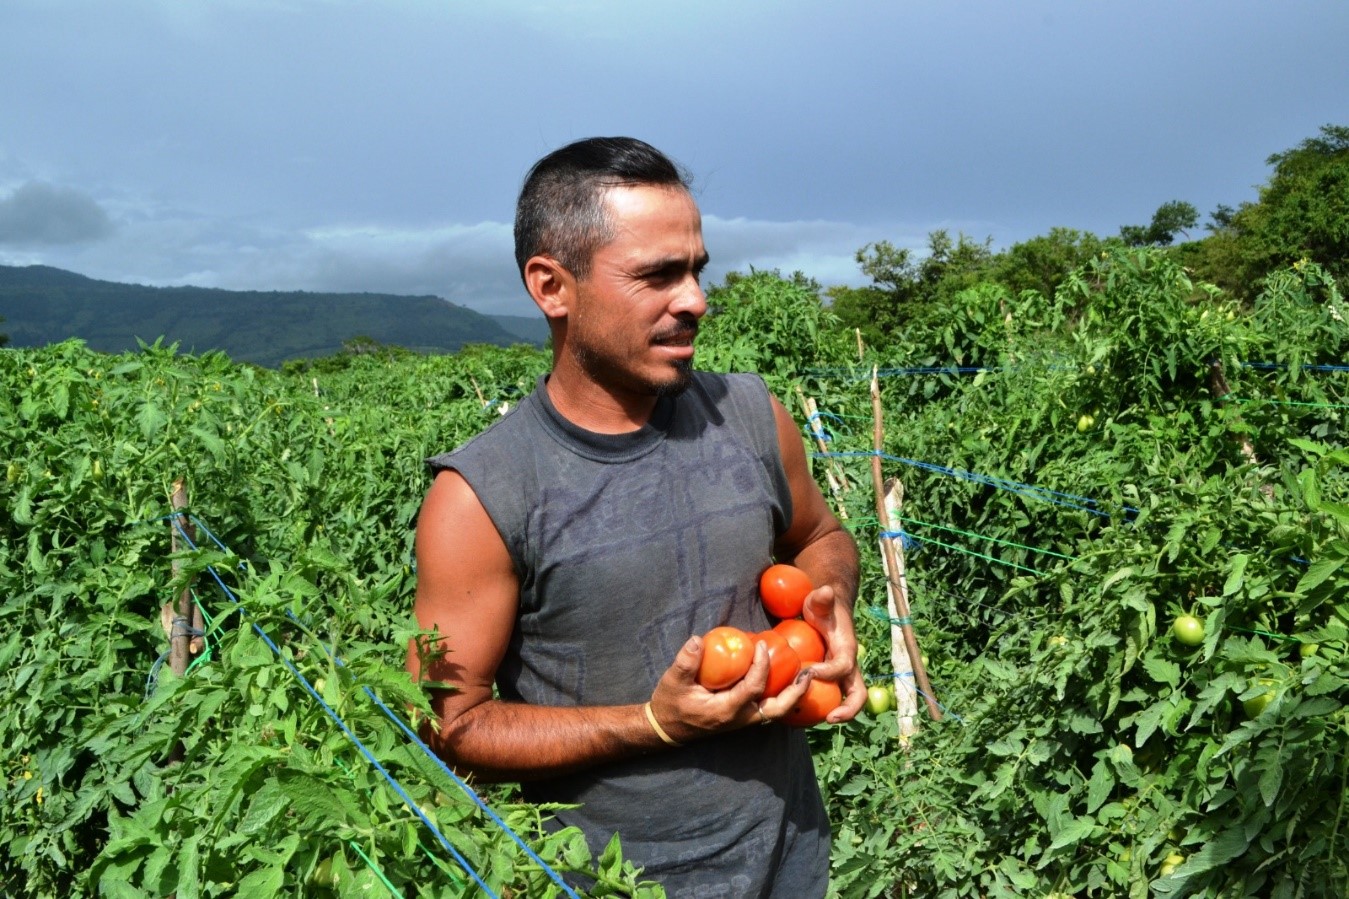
[1302,213]
[1170,219]
[1089,745]
[904,289]
[311,482]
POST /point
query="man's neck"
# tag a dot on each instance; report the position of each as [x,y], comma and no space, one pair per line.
[588,405]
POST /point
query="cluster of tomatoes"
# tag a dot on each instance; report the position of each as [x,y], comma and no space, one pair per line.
[792,644]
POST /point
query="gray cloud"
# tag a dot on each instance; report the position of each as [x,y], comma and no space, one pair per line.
[38,213]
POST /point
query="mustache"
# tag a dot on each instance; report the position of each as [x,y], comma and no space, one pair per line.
[682,331]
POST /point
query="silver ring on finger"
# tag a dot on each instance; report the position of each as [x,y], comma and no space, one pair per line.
[763,719]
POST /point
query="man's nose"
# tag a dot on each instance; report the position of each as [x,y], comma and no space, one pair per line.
[690,299]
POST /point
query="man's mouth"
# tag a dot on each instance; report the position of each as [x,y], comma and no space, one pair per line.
[680,337]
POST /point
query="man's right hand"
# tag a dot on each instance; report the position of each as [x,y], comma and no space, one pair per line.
[689,711]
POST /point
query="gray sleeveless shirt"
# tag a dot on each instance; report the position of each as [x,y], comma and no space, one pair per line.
[625,546]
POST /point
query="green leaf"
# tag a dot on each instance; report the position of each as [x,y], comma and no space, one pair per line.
[1075,831]
[1237,574]
[263,882]
[1162,670]
[1319,572]
[1226,846]
[189,874]
[1100,786]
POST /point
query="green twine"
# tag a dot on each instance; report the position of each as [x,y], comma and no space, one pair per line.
[853,523]
[1047,552]
[984,556]
[1247,630]
[883,615]
[375,868]
[1238,399]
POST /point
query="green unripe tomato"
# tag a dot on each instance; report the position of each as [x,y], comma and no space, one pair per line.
[1084,424]
[13,472]
[1171,863]
[1188,629]
[1259,702]
[878,699]
[323,874]
[1307,650]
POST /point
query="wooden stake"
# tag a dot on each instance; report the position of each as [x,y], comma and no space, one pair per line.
[893,562]
[906,693]
[833,473]
[183,618]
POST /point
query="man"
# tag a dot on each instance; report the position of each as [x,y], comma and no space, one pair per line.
[573,552]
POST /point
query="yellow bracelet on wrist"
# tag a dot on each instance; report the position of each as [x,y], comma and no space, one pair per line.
[655,725]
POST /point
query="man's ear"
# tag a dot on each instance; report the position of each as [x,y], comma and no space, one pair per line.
[551,286]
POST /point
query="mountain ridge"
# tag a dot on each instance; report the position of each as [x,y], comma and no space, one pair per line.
[42,304]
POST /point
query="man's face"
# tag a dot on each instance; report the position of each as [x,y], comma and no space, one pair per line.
[636,314]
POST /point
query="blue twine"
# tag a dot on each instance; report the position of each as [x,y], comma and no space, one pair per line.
[906,540]
[816,431]
[1044,494]
[897,675]
[153,677]
[901,372]
[1270,366]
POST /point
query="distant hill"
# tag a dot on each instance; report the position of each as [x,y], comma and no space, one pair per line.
[43,305]
[532,328]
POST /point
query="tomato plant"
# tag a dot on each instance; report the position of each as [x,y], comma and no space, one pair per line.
[728,653]
[808,642]
[783,589]
[820,698]
[783,662]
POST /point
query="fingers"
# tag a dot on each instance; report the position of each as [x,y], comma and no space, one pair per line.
[819,608]
[775,707]
[684,669]
[854,696]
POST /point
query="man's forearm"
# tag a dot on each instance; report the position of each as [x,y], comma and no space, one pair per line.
[514,741]
[832,559]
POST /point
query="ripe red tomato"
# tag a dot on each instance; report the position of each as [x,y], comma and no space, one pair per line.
[783,662]
[821,698]
[783,589]
[807,641]
[727,654]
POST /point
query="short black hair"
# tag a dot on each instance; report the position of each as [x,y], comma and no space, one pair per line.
[561,211]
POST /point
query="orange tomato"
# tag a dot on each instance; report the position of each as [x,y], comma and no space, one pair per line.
[727,654]
[807,641]
[783,589]
[783,662]
[820,698]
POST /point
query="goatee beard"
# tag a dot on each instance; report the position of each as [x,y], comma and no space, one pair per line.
[680,383]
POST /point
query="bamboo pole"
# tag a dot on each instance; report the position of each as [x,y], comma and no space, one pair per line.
[183,616]
[833,472]
[906,692]
[893,560]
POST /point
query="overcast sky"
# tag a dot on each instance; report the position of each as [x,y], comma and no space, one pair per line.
[378,146]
